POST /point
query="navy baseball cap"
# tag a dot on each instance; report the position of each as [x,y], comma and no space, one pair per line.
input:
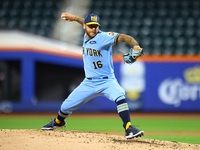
[92,19]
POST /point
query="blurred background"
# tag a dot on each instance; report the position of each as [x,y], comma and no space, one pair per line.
[41,62]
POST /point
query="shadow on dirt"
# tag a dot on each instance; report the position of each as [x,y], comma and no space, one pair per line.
[141,141]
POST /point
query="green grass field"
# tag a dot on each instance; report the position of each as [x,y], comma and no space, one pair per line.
[115,125]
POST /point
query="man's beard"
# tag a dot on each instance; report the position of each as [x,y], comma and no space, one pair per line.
[90,35]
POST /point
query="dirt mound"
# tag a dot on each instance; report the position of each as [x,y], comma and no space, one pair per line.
[76,140]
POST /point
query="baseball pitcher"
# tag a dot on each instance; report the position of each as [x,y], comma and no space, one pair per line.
[99,73]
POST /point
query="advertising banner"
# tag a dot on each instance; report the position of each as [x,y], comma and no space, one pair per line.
[172,87]
[132,79]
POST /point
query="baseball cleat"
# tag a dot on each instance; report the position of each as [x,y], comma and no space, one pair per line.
[53,125]
[132,132]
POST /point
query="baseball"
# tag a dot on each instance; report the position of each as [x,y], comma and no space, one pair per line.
[63,16]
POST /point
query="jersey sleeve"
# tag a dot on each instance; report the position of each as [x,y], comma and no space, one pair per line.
[110,38]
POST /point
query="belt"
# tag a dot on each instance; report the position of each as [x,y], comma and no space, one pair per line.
[97,78]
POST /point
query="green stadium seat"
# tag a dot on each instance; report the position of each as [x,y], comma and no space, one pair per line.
[165,22]
[15,14]
[161,26]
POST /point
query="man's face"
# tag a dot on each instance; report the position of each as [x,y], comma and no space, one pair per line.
[91,30]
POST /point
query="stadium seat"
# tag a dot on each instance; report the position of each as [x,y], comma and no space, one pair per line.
[16,14]
[168,23]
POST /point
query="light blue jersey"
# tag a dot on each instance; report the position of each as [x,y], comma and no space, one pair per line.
[97,55]
[99,72]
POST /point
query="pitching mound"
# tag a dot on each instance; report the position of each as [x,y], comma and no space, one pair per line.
[76,140]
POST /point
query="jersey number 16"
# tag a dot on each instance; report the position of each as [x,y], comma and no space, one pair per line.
[97,64]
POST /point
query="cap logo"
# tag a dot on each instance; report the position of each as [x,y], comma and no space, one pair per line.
[94,18]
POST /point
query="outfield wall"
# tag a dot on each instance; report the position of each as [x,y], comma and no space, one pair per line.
[153,83]
[161,83]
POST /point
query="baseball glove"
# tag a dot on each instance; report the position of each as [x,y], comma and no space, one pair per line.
[132,56]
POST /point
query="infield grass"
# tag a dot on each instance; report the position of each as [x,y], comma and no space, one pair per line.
[114,125]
